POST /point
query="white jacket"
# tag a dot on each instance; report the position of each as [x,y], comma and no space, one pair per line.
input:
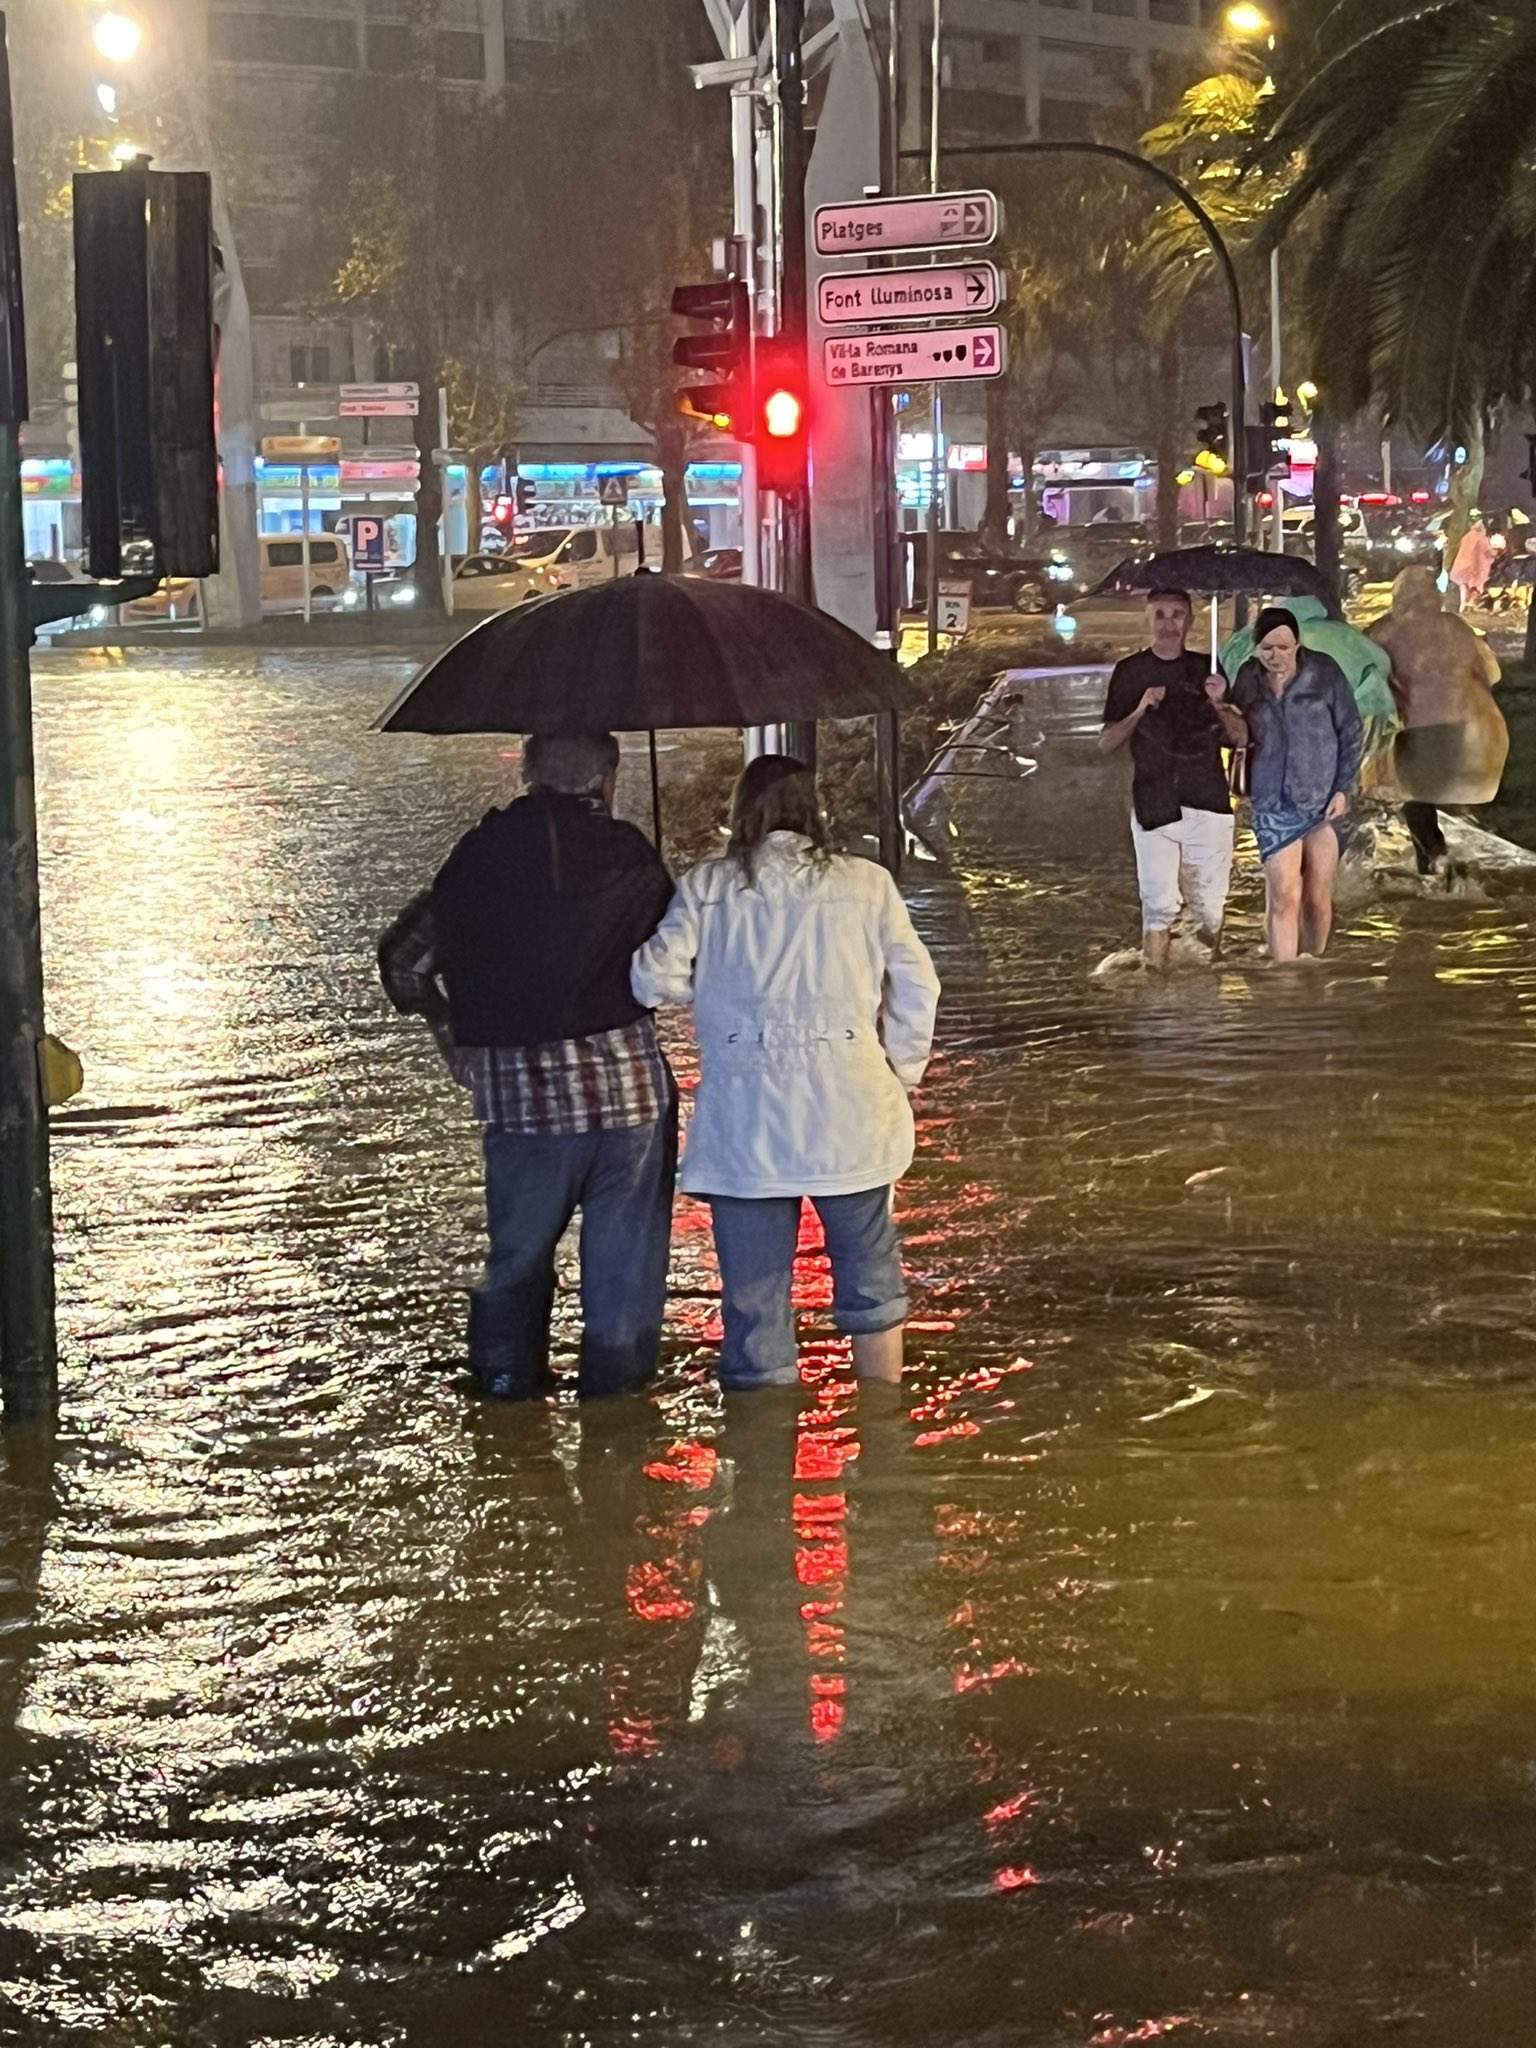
[814,1002]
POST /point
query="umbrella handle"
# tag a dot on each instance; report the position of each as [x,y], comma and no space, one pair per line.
[655,792]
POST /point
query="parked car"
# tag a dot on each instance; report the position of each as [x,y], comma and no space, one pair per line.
[1299,526]
[282,569]
[719,565]
[1398,537]
[47,569]
[997,576]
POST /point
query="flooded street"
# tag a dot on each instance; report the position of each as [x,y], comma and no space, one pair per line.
[1163,1667]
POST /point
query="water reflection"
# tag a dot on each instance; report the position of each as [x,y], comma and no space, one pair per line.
[1159,1666]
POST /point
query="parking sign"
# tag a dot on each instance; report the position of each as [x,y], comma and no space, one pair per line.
[367,543]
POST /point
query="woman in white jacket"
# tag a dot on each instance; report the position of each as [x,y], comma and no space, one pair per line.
[814,1002]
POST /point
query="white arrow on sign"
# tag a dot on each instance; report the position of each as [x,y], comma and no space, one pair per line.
[934,355]
[942,220]
[860,298]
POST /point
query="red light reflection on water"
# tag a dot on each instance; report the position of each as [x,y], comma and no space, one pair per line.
[1015,1877]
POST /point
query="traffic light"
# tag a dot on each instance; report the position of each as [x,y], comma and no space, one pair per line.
[725,352]
[1215,439]
[1276,422]
[526,493]
[780,423]
[145,345]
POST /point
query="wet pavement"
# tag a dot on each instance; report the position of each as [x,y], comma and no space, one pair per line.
[1162,1667]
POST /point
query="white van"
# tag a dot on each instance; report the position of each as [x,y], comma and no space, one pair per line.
[576,557]
[282,568]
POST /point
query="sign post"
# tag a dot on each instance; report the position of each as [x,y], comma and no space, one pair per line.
[926,355]
[863,298]
[368,549]
[954,606]
[879,227]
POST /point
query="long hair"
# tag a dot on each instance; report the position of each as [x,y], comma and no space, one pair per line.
[775,793]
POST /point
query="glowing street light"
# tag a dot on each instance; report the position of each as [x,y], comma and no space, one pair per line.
[117,38]
[1244,19]
[106,98]
[126,152]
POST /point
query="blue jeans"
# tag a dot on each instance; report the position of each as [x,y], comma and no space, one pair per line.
[622,1183]
[755,1241]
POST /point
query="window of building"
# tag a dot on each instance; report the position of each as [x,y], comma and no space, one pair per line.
[1174,12]
[1120,7]
[460,55]
[309,363]
[388,46]
[318,40]
[1003,50]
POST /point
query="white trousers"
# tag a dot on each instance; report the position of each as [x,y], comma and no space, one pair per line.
[1188,863]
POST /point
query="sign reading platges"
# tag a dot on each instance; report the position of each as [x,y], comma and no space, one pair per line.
[859,298]
[923,355]
[943,220]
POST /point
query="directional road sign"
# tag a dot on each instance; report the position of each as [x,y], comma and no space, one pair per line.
[944,220]
[860,298]
[379,401]
[300,448]
[920,355]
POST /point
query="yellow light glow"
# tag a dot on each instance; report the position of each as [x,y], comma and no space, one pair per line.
[117,38]
[125,152]
[1185,476]
[1306,392]
[1244,19]
[1211,463]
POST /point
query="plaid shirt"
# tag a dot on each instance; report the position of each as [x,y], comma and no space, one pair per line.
[613,1081]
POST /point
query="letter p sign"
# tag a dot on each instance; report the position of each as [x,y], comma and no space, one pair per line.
[367,543]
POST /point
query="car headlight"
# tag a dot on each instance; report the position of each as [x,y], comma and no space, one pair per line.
[97,615]
[1405,544]
[1061,572]
[407,595]
[349,596]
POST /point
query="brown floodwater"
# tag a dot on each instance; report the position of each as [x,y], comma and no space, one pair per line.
[1161,1667]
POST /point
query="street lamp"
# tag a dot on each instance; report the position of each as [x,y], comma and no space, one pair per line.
[117,38]
[1244,19]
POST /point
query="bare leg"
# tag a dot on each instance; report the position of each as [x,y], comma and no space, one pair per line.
[1282,902]
[1319,865]
[1154,950]
[878,1356]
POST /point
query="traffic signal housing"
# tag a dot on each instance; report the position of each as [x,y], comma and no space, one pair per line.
[1215,437]
[145,346]
[725,352]
[780,417]
[1276,422]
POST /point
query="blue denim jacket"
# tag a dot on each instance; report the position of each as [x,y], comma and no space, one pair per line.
[1307,741]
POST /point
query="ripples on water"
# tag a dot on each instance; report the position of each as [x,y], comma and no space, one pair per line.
[1161,1668]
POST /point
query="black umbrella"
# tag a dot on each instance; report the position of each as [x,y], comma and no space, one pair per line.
[1215,573]
[648,651]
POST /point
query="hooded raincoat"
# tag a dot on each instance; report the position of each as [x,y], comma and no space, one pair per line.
[1454,741]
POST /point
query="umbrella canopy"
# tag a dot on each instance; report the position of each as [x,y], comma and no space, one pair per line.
[1215,572]
[648,651]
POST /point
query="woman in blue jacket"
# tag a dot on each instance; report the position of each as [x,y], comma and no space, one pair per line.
[1306,736]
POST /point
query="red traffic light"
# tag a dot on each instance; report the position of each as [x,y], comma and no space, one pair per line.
[782,413]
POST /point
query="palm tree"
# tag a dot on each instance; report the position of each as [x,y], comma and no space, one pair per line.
[1412,127]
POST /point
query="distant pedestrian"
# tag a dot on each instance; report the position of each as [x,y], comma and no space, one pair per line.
[1473,564]
[814,1004]
[1454,741]
[1171,709]
[518,955]
[1306,736]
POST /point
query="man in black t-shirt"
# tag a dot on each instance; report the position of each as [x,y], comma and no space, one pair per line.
[1175,717]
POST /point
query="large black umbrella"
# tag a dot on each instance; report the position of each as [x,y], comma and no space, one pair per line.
[1215,573]
[648,651]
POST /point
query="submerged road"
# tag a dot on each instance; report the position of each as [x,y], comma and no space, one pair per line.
[1163,1667]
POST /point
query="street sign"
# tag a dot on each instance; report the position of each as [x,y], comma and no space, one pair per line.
[379,401]
[294,411]
[300,448]
[954,606]
[368,543]
[613,490]
[944,220]
[932,355]
[860,298]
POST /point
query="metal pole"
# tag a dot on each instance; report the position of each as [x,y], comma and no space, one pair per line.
[28,1361]
[304,535]
[446,557]
[936,470]
[744,230]
[788,24]
[1277,540]
[888,819]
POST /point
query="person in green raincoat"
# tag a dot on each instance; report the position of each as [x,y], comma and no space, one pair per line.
[1367,667]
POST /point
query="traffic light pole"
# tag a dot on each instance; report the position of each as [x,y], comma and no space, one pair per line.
[787,29]
[28,1364]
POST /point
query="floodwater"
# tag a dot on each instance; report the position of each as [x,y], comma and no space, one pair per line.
[1162,1667]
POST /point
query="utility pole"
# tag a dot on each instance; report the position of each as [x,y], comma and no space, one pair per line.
[938,470]
[28,1362]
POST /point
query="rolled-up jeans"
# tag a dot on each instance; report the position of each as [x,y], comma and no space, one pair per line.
[534,1183]
[755,1239]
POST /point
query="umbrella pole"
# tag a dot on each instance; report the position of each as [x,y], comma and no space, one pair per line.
[1215,630]
[655,792]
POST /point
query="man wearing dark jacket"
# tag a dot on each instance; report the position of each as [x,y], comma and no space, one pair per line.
[518,956]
